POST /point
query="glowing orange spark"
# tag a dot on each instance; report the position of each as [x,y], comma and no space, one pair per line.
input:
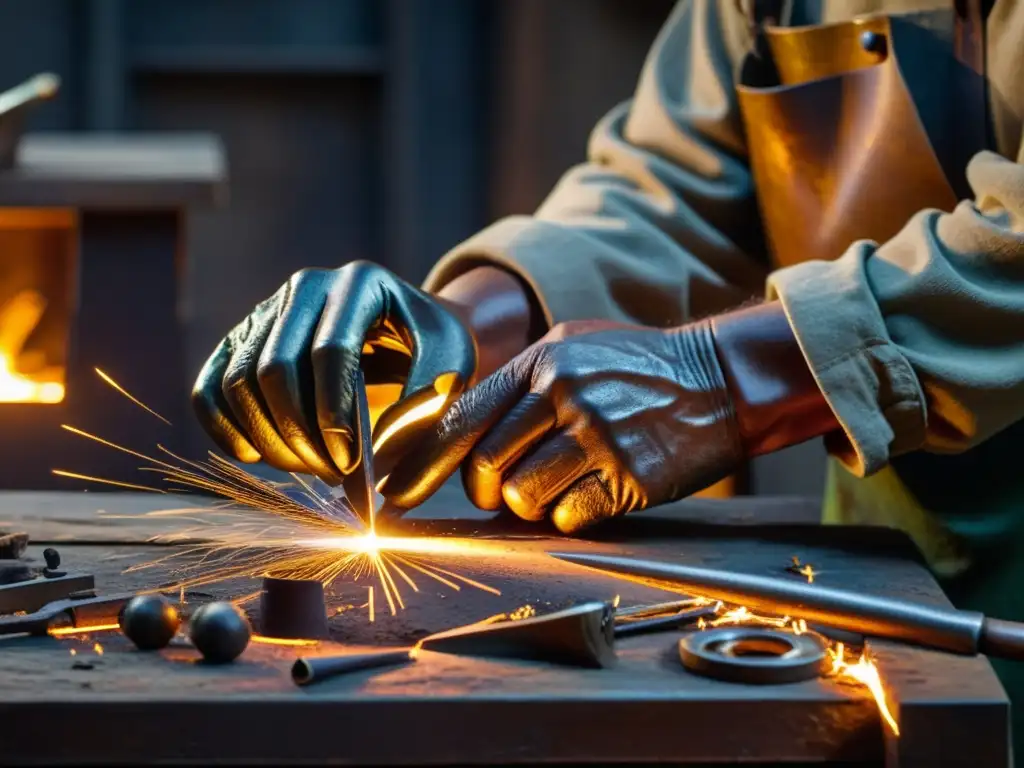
[73,652]
[98,649]
[125,392]
[63,631]
[865,672]
[286,641]
[370,603]
[91,479]
[807,571]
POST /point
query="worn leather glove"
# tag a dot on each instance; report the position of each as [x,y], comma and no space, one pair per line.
[588,428]
[279,387]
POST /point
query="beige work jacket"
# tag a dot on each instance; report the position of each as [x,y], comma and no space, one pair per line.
[917,343]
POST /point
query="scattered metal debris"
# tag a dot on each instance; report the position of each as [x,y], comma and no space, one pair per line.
[802,569]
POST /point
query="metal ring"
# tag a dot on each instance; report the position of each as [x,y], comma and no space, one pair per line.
[754,655]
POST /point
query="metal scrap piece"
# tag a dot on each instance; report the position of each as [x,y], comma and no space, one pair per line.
[12,545]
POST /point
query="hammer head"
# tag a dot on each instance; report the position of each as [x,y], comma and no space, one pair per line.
[580,636]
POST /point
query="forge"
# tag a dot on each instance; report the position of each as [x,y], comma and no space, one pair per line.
[93,232]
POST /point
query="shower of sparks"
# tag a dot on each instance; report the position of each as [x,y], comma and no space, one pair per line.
[846,667]
[258,529]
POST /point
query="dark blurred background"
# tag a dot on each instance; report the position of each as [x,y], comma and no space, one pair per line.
[354,129]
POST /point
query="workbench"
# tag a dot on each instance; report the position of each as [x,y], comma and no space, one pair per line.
[132,707]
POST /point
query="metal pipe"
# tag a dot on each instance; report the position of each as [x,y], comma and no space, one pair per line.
[313,669]
[943,628]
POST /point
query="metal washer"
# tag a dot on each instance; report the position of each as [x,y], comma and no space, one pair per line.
[718,653]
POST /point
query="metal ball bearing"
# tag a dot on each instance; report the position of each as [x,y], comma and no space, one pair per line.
[220,632]
[149,621]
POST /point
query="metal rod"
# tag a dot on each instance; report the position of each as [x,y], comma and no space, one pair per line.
[656,609]
[307,670]
[943,628]
[659,623]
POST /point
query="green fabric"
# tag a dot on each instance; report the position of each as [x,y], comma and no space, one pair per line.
[972,534]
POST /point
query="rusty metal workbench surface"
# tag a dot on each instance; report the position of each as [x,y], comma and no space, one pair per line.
[136,707]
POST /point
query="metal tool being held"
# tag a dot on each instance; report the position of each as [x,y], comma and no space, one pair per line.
[945,629]
[360,486]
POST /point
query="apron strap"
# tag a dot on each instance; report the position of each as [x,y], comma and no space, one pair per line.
[758,69]
[969,49]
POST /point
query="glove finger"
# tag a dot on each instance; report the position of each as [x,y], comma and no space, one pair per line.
[356,306]
[442,363]
[587,502]
[212,409]
[543,475]
[441,345]
[285,374]
[506,443]
[463,426]
[242,392]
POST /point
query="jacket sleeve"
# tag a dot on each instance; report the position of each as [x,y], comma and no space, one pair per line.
[660,224]
[919,343]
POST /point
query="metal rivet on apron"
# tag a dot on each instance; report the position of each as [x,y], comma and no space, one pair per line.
[872,42]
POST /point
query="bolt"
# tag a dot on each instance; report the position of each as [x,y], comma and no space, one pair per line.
[872,42]
[52,558]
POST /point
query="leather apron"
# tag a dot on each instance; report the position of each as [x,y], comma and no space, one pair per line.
[842,148]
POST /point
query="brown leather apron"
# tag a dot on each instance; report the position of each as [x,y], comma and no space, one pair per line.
[837,149]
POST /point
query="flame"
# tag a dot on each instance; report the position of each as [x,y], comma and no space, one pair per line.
[19,317]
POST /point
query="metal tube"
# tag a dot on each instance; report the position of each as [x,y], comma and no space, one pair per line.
[313,669]
[943,628]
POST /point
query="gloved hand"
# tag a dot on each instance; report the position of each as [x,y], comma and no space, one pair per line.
[591,427]
[279,387]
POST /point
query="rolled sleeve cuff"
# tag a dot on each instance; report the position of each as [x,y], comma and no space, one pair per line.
[869,384]
[545,255]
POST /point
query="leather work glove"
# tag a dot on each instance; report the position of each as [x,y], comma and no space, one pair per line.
[588,428]
[279,386]
[601,423]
